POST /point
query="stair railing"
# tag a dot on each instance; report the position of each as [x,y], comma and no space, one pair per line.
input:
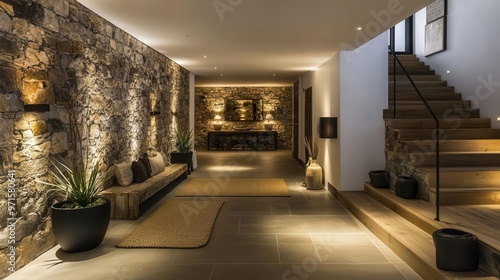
[396,60]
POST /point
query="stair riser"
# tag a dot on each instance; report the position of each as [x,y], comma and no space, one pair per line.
[467,198]
[446,124]
[471,113]
[422,71]
[425,146]
[456,160]
[447,134]
[477,179]
[416,78]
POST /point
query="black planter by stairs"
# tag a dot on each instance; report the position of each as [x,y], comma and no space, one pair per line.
[406,187]
[81,229]
[456,250]
[379,178]
[186,157]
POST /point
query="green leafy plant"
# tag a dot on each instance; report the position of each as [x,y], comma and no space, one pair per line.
[183,141]
[77,183]
[312,147]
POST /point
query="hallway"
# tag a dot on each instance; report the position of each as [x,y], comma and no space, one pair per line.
[309,235]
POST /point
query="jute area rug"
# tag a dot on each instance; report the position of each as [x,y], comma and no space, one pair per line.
[176,224]
[212,187]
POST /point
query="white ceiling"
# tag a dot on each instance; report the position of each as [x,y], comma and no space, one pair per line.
[252,42]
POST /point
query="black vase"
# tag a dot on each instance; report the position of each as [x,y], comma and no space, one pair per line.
[406,187]
[186,157]
[80,229]
[456,250]
[379,178]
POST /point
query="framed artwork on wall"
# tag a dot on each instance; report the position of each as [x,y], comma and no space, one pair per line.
[435,29]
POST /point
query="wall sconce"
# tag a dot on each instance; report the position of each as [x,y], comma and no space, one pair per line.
[40,108]
[217,123]
[268,125]
[328,127]
[154,113]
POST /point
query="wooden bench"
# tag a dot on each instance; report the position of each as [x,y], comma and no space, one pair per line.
[125,201]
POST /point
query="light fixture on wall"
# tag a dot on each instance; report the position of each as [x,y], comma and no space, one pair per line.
[328,127]
[268,124]
[217,122]
[40,108]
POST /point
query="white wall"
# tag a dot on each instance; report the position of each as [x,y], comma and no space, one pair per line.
[363,96]
[473,53]
[352,86]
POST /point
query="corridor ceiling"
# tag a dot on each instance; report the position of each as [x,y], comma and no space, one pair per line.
[253,42]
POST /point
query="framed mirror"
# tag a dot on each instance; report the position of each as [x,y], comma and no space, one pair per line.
[243,110]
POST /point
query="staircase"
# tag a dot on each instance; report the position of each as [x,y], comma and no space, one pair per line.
[469,175]
[469,147]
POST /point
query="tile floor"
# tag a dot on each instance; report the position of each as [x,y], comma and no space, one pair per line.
[306,236]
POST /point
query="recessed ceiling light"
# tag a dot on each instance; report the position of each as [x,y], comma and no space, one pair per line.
[204,56]
[215,67]
[498,119]
[221,75]
[274,75]
[359,28]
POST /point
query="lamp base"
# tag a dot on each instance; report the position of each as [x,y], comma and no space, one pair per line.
[217,126]
[268,126]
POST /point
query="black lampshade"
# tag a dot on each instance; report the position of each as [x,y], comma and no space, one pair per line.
[328,127]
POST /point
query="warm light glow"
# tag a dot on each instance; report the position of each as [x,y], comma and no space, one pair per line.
[269,117]
[229,168]
[217,118]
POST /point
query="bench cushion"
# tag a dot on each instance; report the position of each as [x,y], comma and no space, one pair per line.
[124,174]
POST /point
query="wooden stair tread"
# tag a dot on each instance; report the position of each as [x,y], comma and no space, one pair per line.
[497,189]
[447,133]
[444,123]
[412,244]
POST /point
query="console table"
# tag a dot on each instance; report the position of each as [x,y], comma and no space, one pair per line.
[224,140]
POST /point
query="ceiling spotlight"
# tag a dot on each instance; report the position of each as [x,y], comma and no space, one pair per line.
[274,75]
[221,75]
[359,28]
[204,56]
[215,67]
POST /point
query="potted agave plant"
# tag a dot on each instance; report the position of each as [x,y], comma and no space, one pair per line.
[81,220]
[183,149]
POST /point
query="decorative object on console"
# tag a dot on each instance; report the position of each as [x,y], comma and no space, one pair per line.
[217,122]
[269,122]
[328,127]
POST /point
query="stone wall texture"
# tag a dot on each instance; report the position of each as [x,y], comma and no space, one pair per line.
[276,100]
[54,49]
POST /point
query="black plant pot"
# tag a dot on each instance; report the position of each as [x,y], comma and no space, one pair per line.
[379,178]
[406,187]
[82,229]
[186,157]
[456,250]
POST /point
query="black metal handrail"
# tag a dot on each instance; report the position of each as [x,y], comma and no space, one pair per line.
[396,59]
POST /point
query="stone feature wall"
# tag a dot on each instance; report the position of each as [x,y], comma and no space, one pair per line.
[54,49]
[209,101]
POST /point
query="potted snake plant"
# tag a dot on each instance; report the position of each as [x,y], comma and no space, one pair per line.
[183,148]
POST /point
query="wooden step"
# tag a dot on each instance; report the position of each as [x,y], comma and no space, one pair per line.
[476,145]
[409,242]
[467,196]
[456,159]
[423,90]
[404,57]
[416,104]
[423,71]
[435,105]
[447,134]
[419,84]
[463,177]
[474,219]
[444,123]
[424,113]
[428,95]
[416,78]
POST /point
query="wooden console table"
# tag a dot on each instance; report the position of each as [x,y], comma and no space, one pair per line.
[224,140]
